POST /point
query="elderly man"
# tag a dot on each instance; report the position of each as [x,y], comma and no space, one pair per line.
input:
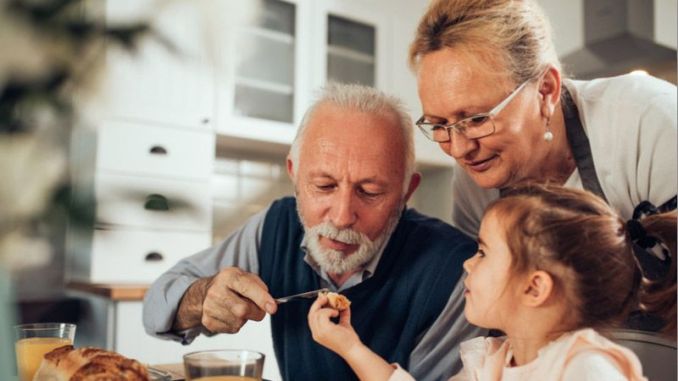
[347,229]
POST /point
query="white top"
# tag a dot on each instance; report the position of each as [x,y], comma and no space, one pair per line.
[630,121]
[582,355]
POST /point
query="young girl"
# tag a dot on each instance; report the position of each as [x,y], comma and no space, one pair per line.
[553,264]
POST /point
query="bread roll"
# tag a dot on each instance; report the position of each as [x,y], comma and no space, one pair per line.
[337,301]
[88,364]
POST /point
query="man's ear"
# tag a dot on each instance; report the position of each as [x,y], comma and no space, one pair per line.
[538,287]
[290,168]
[549,91]
[414,184]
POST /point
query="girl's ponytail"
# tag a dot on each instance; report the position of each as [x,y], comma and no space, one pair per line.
[658,296]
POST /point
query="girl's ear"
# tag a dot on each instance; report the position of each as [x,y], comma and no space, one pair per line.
[538,288]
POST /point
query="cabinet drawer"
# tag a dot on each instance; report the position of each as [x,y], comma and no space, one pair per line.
[140,256]
[153,203]
[156,151]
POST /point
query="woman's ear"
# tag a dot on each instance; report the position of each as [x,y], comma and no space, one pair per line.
[538,288]
[549,91]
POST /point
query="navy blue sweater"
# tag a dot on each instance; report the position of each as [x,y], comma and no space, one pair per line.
[420,266]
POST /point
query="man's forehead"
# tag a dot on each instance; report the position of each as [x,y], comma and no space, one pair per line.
[343,125]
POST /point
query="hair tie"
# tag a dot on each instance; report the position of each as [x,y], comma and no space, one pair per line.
[638,234]
[644,209]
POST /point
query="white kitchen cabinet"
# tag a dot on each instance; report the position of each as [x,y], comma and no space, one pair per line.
[352,44]
[250,77]
[263,83]
[280,59]
[172,83]
[150,192]
[137,255]
[154,150]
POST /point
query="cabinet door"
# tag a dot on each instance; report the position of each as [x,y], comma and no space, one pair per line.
[168,84]
[262,90]
[353,42]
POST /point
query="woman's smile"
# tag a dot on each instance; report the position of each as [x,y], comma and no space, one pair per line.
[481,165]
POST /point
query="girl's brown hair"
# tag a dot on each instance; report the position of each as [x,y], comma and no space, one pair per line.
[516,31]
[587,249]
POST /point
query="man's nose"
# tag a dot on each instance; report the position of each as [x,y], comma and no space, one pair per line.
[459,145]
[343,213]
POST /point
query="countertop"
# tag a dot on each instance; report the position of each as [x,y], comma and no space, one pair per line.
[116,292]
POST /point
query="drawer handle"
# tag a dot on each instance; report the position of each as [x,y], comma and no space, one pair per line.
[154,257]
[158,150]
[156,202]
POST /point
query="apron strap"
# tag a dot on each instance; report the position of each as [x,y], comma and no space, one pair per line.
[581,149]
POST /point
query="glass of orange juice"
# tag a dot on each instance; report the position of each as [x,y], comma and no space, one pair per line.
[34,340]
[224,365]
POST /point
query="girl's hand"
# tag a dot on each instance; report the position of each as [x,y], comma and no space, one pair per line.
[340,338]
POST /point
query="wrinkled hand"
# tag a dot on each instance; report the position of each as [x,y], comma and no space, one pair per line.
[232,298]
[340,337]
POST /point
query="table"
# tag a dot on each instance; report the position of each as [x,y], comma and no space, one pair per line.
[175,370]
[113,320]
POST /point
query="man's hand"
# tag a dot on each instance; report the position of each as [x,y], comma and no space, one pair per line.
[225,302]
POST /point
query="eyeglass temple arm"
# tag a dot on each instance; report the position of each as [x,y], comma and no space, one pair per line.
[508,99]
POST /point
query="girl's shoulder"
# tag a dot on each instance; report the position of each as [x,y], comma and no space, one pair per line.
[587,348]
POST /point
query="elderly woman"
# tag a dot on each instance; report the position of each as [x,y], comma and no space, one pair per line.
[494,98]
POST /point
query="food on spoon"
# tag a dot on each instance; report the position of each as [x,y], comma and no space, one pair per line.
[337,301]
[89,364]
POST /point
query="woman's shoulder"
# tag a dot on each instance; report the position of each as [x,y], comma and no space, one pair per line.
[627,88]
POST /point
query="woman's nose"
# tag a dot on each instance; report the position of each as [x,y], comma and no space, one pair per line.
[459,145]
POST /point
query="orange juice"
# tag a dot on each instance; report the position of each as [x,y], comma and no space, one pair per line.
[30,351]
[227,378]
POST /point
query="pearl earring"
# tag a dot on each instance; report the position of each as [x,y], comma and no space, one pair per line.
[548,135]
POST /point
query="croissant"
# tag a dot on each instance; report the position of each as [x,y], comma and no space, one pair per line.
[338,301]
[89,364]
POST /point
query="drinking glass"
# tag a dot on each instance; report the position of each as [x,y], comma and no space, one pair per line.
[224,365]
[34,340]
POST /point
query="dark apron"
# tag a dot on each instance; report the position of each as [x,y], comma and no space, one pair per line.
[652,266]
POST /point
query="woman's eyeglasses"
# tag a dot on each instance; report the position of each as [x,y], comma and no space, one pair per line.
[473,127]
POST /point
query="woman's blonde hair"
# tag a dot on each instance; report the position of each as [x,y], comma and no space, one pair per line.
[516,31]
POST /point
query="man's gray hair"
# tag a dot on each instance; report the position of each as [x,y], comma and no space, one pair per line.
[367,100]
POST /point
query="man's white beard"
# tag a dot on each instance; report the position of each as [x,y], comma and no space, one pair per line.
[334,261]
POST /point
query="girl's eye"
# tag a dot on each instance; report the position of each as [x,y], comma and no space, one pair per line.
[481,253]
